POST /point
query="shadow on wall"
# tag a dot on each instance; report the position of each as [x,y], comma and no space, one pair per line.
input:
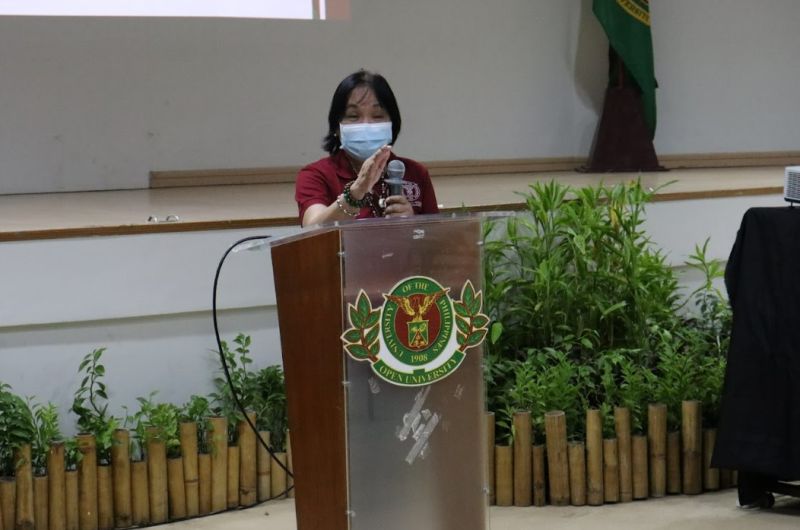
[591,66]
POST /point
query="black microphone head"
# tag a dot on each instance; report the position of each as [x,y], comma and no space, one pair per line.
[394,176]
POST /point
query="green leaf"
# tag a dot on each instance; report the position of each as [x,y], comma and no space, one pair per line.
[355,317]
[468,296]
[352,335]
[463,325]
[372,335]
[480,320]
[477,302]
[364,306]
[375,348]
[373,319]
[613,308]
[497,331]
[461,309]
[357,351]
[476,337]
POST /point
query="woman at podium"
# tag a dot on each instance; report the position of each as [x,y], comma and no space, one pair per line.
[351,182]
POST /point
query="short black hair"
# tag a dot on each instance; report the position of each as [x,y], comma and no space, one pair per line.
[383,93]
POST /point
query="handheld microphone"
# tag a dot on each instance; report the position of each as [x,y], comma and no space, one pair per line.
[394,177]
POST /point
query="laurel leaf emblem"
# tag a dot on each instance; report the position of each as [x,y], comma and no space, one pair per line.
[361,339]
[471,323]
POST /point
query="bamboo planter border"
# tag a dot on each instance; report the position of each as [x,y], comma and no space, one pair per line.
[126,493]
[603,470]
[135,493]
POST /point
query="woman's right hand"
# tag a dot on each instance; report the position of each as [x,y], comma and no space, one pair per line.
[371,170]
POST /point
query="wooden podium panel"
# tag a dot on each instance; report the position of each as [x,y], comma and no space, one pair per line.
[371,450]
[308,291]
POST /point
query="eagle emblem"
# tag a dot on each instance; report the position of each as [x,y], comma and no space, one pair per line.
[417,306]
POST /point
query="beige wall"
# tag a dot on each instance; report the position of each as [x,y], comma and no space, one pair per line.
[98,103]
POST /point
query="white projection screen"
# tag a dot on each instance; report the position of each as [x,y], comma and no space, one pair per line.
[285,9]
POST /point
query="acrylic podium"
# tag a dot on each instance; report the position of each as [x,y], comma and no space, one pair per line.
[381,328]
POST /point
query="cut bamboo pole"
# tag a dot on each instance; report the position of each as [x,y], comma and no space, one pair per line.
[622,427]
[105,498]
[710,474]
[504,475]
[289,466]
[557,460]
[121,471]
[71,495]
[56,487]
[522,459]
[24,479]
[610,470]
[674,462]
[577,473]
[233,477]
[204,482]
[278,475]
[140,496]
[639,467]
[219,463]
[263,466]
[594,457]
[41,501]
[692,443]
[539,483]
[8,502]
[490,441]
[248,478]
[157,490]
[188,436]
[87,482]
[176,488]
[657,438]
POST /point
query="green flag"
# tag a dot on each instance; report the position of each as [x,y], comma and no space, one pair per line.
[627,25]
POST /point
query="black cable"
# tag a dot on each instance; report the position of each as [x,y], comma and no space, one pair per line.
[227,372]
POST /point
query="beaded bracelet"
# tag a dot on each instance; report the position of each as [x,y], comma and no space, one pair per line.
[348,197]
[342,207]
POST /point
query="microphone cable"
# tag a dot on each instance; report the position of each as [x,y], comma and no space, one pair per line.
[226,370]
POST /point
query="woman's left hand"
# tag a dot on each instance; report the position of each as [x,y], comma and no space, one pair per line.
[398,206]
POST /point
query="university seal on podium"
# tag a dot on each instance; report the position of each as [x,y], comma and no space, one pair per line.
[419,334]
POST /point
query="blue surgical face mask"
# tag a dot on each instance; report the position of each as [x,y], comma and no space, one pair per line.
[361,140]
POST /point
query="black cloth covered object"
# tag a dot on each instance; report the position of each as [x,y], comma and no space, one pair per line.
[759,429]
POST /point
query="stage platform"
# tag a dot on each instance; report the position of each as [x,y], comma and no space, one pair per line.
[99,213]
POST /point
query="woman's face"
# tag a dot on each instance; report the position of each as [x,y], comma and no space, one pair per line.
[363,107]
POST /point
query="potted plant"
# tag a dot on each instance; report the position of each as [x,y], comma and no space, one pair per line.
[156,429]
[47,450]
[269,405]
[223,399]
[195,447]
[96,428]
[16,434]
[90,404]
[575,285]
[226,401]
